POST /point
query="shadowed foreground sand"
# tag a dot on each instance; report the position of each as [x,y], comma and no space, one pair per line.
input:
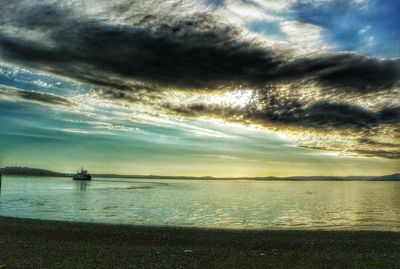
[51,244]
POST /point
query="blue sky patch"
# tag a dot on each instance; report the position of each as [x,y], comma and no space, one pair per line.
[371,29]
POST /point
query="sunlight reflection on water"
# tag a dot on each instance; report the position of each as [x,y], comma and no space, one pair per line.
[221,204]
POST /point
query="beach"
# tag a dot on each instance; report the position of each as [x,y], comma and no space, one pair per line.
[27,243]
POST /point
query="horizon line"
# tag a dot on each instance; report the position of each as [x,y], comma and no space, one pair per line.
[185,176]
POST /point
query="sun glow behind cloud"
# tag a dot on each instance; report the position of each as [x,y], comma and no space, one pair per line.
[214,144]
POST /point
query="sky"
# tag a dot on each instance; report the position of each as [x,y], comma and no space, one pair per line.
[224,88]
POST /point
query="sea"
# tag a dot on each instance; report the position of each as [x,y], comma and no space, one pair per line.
[222,204]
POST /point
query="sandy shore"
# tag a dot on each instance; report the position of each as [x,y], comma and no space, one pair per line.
[52,244]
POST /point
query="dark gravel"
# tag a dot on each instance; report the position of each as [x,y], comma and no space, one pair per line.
[53,244]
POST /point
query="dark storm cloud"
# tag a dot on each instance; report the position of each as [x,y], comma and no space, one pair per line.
[371,142]
[33,96]
[196,52]
[269,107]
[347,71]
[391,114]
[368,129]
[388,154]
[44,98]
[320,115]
[192,53]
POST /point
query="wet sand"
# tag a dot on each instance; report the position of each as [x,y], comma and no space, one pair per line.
[53,244]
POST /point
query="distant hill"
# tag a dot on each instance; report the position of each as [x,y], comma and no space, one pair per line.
[26,171]
[394,177]
[321,178]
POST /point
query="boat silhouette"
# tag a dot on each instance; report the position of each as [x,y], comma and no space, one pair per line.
[82,175]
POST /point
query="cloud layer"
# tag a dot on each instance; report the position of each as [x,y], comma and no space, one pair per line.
[191,52]
[33,96]
[145,56]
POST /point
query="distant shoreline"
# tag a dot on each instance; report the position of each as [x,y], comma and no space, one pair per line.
[28,243]
[94,177]
[25,171]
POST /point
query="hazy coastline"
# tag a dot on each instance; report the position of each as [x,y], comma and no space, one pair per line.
[26,171]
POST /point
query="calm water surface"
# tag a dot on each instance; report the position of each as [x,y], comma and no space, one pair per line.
[221,204]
